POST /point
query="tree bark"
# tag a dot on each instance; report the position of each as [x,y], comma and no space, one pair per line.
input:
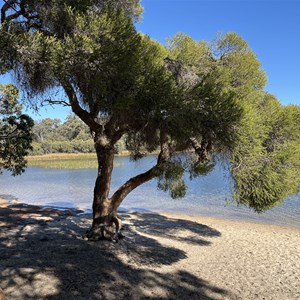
[103,215]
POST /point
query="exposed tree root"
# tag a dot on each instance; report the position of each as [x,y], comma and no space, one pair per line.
[109,229]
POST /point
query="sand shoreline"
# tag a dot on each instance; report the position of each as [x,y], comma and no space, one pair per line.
[163,256]
[265,225]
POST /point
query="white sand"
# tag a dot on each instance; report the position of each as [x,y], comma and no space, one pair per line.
[163,256]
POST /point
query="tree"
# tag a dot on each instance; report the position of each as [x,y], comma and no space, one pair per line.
[194,97]
[46,130]
[15,131]
[52,136]
[74,128]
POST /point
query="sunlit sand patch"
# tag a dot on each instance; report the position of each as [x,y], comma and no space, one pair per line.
[32,283]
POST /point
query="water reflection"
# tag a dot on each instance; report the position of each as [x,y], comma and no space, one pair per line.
[209,195]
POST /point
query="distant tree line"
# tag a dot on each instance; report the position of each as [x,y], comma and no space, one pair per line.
[70,136]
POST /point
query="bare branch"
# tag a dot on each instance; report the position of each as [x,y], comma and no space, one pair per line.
[8,4]
[54,102]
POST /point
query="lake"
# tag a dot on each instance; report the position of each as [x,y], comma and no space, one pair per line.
[208,196]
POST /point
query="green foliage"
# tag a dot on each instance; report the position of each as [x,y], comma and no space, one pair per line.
[15,131]
[99,55]
[196,54]
[72,136]
[46,130]
[265,164]
[75,146]
[198,168]
[7,52]
[171,179]
[228,112]
[66,161]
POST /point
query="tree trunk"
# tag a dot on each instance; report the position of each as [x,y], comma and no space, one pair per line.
[106,224]
[104,218]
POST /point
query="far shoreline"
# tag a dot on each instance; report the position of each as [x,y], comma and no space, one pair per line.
[74,155]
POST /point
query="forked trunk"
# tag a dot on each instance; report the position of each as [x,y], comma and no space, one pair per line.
[105,221]
[106,224]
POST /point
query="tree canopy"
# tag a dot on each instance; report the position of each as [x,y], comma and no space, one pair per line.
[206,99]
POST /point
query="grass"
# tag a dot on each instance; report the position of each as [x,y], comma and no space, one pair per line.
[64,161]
[69,160]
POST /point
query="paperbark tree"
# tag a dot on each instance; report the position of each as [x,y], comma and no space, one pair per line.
[190,96]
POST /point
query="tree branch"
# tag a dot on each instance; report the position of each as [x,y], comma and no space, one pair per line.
[78,110]
[115,128]
[53,102]
[138,180]
[9,4]
[200,149]
[10,135]
[5,8]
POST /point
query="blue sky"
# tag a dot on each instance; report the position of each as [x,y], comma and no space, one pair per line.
[271,28]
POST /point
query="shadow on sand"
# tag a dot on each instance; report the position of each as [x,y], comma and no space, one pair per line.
[42,259]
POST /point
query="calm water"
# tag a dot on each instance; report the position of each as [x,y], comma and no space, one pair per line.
[208,196]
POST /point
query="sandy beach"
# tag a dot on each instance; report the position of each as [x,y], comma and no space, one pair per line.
[163,256]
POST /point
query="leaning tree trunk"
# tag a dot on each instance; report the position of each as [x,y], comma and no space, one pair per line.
[106,224]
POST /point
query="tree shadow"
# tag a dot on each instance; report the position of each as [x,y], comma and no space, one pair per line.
[50,260]
[20,214]
[181,230]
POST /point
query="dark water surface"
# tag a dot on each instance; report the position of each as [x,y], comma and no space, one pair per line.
[207,196]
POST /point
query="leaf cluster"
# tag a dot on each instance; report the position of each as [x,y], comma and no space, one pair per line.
[265,164]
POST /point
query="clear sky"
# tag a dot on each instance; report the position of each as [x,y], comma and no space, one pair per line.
[271,28]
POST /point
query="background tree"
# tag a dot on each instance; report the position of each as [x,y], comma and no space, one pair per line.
[15,131]
[46,129]
[191,96]
[52,136]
